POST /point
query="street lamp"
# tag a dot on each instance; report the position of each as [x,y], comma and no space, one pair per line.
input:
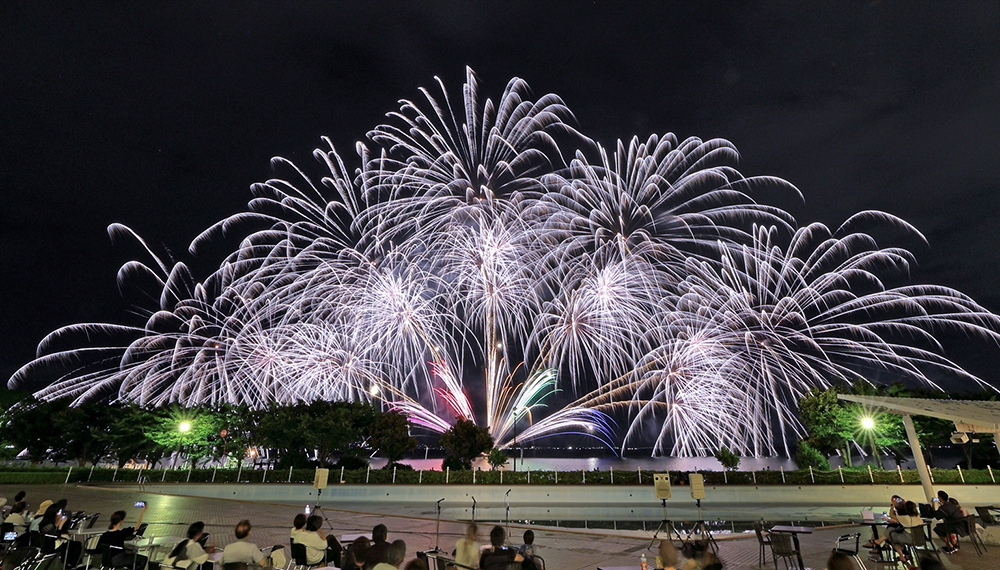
[183,428]
[869,425]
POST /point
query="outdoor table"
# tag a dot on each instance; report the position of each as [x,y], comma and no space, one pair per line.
[795,531]
[152,544]
[347,539]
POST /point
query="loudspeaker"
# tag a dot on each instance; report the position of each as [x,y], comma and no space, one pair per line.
[697,481]
[319,481]
[661,482]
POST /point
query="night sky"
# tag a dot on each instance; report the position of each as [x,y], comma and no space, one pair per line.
[161,116]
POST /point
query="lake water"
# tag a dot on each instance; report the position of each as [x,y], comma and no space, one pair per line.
[618,463]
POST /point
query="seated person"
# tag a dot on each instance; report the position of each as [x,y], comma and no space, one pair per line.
[379,547]
[840,561]
[394,556]
[357,554]
[497,553]
[909,519]
[467,549]
[319,547]
[189,553]
[242,550]
[528,548]
[36,519]
[16,517]
[298,525]
[115,538]
[700,557]
[953,521]
[666,557]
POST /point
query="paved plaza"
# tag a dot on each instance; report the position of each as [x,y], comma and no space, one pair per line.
[563,549]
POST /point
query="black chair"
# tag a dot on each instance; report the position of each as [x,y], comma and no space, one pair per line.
[300,560]
[91,520]
[5,530]
[18,557]
[922,542]
[141,529]
[240,566]
[974,538]
[504,565]
[108,554]
[986,516]
[763,542]
[843,546]
[783,547]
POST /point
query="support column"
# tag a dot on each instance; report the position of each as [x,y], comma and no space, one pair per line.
[918,457]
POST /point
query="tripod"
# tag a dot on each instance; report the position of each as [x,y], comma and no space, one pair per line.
[665,524]
[701,528]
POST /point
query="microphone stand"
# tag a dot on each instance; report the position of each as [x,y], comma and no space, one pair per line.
[437,529]
[507,515]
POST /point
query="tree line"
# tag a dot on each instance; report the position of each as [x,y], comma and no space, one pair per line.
[316,434]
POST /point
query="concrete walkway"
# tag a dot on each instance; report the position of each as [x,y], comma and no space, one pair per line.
[563,549]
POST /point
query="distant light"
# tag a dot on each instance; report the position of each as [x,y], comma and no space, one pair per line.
[867,423]
[184,427]
[374,390]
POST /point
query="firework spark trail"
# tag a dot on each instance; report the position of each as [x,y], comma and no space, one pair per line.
[496,238]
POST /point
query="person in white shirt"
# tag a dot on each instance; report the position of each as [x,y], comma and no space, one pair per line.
[467,549]
[16,517]
[243,550]
[319,547]
[188,553]
[298,525]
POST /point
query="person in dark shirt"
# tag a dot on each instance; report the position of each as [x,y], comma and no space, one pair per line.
[116,536]
[379,548]
[51,525]
[953,521]
[497,553]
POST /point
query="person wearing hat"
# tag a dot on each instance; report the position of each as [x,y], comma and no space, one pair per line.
[36,520]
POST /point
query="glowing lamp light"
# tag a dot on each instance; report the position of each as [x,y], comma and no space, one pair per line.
[867,423]
[184,427]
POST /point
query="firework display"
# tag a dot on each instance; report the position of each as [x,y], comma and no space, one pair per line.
[488,261]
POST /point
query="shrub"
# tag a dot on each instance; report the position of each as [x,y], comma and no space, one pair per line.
[808,456]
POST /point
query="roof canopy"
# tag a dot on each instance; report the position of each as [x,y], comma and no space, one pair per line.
[980,416]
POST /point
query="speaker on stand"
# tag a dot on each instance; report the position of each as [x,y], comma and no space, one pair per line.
[661,484]
[697,482]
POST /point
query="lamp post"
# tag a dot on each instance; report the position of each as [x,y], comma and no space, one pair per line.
[183,428]
[869,425]
[515,441]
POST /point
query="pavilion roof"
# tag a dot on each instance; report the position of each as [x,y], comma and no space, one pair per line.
[982,414]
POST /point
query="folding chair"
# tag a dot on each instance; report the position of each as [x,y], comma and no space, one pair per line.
[91,520]
[300,560]
[986,516]
[843,546]
[974,538]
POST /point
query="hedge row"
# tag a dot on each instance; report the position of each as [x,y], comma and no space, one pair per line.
[45,475]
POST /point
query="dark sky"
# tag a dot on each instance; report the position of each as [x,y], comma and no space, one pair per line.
[161,116]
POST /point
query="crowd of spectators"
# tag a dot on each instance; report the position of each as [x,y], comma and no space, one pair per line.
[52,524]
